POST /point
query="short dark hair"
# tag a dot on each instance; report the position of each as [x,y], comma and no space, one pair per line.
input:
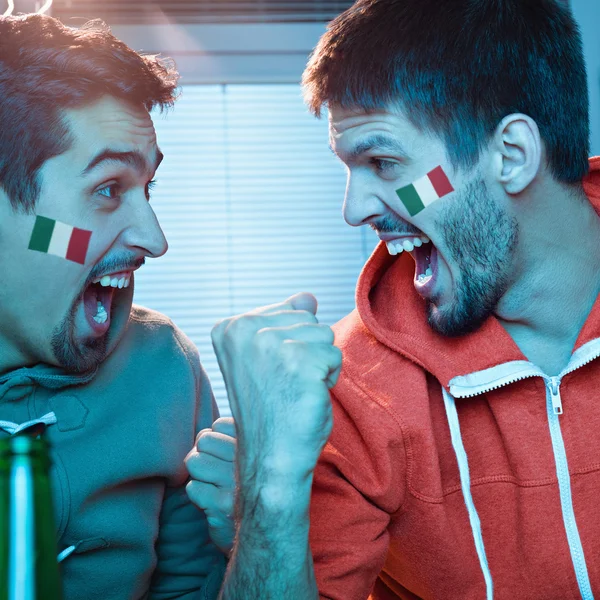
[458,67]
[46,68]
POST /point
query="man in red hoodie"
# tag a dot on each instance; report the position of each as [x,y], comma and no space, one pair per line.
[464,459]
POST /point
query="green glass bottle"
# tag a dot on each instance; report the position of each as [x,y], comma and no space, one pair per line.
[28,563]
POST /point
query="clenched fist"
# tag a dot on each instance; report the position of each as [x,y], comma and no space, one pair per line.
[212,485]
[278,364]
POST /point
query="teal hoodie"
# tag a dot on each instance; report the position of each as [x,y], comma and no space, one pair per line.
[119,435]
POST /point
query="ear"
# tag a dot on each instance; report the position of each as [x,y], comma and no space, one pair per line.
[517,150]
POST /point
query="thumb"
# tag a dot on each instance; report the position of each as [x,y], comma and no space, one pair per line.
[303,301]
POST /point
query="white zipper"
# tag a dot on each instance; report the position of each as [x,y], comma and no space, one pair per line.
[554,389]
[500,376]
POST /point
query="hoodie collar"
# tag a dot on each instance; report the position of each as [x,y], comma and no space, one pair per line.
[395,314]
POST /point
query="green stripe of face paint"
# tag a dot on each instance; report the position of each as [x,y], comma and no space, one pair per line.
[411,199]
[42,234]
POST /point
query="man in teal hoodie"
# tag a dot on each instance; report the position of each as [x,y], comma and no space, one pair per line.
[120,389]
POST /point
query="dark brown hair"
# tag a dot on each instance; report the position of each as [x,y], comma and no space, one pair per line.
[47,67]
[458,67]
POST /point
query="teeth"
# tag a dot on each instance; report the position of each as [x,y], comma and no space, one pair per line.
[425,276]
[115,282]
[397,247]
[101,315]
[394,248]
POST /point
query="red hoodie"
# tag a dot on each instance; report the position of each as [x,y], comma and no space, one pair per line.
[392,512]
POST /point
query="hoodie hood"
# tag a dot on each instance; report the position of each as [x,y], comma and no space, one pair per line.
[395,314]
[17,384]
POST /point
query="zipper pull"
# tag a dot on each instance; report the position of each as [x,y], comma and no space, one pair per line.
[554,391]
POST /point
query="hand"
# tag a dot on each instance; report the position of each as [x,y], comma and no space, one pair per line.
[278,364]
[212,486]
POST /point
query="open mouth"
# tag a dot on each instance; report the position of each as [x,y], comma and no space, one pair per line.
[424,254]
[98,299]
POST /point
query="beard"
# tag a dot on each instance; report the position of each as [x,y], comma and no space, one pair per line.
[77,356]
[481,239]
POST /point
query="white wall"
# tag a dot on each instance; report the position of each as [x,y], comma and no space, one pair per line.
[587,13]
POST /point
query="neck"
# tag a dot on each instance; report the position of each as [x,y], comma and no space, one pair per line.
[11,357]
[557,275]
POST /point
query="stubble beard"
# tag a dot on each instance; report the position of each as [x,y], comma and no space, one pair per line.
[481,239]
[77,356]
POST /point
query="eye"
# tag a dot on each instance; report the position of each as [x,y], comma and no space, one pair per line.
[111,191]
[381,165]
[149,187]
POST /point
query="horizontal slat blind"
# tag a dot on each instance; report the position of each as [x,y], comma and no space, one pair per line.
[250,198]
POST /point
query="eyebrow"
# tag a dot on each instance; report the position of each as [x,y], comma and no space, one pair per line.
[132,158]
[376,141]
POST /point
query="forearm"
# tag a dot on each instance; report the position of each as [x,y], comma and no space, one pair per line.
[271,559]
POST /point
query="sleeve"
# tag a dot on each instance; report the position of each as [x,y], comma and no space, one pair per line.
[189,566]
[358,483]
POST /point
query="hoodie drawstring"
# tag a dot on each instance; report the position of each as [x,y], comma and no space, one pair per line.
[465,483]
[13,428]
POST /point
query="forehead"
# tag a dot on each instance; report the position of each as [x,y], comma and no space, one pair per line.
[350,123]
[110,122]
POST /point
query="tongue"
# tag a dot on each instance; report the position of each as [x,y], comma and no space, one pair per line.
[422,257]
[90,300]
[94,294]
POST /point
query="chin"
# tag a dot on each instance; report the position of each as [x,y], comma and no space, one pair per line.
[77,355]
[455,321]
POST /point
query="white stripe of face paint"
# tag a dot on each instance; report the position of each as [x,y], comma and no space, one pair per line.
[426,190]
[61,236]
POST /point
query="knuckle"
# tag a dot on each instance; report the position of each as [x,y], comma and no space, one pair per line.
[328,334]
[216,333]
[337,355]
[266,339]
[202,433]
[193,492]
[205,442]
[293,353]
[191,455]
[243,326]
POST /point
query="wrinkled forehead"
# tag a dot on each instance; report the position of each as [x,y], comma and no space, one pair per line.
[112,123]
[342,118]
[353,130]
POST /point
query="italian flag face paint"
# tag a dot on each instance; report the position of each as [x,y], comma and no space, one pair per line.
[60,239]
[422,192]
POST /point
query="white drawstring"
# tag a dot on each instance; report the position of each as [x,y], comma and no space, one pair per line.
[465,483]
[13,428]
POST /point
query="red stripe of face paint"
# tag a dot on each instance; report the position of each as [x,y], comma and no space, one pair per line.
[440,182]
[78,245]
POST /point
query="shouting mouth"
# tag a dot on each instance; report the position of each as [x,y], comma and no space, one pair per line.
[425,255]
[98,299]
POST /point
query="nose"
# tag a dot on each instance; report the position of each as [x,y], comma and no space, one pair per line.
[361,204]
[144,233]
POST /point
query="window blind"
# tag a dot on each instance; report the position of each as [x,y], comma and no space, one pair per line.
[249,197]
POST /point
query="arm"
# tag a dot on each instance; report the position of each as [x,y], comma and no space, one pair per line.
[189,566]
[278,364]
[272,558]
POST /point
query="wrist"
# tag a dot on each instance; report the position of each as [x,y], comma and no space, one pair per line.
[280,496]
